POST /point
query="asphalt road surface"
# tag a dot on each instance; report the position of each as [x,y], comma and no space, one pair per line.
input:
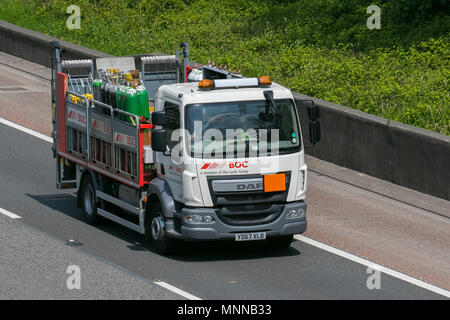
[392,226]
[37,266]
[207,270]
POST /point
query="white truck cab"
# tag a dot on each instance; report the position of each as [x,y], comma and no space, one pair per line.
[230,157]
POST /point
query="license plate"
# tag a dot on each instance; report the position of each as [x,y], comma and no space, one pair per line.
[250,236]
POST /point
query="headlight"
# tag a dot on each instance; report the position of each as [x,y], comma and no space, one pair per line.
[197,219]
[294,213]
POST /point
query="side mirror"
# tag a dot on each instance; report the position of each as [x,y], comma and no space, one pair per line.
[314,132]
[313,112]
[159,140]
[159,118]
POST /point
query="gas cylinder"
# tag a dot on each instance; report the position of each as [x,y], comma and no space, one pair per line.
[132,102]
[103,91]
[112,90]
[121,99]
[106,93]
[119,93]
[142,93]
[96,88]
[144,111]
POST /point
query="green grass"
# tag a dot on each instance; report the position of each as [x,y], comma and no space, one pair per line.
[320,48]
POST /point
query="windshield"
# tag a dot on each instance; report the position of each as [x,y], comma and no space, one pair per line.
[242,129]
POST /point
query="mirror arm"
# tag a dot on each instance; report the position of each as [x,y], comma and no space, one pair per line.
[268,95]
[167,152]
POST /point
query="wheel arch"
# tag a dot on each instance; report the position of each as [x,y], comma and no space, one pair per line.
[159,191]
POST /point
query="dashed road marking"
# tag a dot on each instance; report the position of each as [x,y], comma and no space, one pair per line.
[176,290]
[9,214]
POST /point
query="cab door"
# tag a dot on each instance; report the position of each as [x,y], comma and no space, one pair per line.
[169,165]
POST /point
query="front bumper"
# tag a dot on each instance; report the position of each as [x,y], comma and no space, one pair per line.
[220,230]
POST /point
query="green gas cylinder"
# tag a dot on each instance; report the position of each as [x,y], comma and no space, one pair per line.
[120,99]
[119,93]
[133,104]
[142,93]
[145,111]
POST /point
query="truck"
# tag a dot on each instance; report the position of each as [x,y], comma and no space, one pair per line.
[221,156]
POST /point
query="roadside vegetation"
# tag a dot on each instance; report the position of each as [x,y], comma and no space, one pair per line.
[321,48]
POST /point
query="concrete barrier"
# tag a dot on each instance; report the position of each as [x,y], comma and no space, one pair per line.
[403,154]
[34,46]
[419,159]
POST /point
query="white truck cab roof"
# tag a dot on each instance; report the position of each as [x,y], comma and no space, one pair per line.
[189,93]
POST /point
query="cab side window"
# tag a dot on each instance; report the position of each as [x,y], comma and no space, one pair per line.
[172,112]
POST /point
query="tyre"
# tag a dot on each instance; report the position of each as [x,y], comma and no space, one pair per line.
[280,243]
[89,201]
[156,233]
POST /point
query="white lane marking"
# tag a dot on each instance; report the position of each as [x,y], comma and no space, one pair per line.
[9,214]
[176,290]
[373,265]
[309,241]
[26,130]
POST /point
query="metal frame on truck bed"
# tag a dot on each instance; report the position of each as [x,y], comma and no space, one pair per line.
[92,141]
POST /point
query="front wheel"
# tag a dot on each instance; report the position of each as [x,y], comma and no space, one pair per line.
[280,243]
[156,233]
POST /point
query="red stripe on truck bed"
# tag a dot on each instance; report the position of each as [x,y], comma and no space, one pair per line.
[61,107]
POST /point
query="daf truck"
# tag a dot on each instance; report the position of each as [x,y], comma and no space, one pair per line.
[225,159]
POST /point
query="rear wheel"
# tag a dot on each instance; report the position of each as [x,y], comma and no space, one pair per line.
[88,200]
[156,233]
[282,242]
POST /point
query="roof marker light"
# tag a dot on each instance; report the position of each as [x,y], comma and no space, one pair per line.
[264,81]
[206,84]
